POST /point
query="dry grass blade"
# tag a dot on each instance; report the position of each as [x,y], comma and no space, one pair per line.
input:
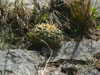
[88,8]
[51,50]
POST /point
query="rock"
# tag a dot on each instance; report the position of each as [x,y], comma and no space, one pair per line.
[69,68]
[73,54]
[79,50]
[30,4]
[89,72]
[67,59]
[18,62]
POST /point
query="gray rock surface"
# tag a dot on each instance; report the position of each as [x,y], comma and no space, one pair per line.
[18,62]
[85,71]
[79,50]
[30,3]
[79,54]
[26,62]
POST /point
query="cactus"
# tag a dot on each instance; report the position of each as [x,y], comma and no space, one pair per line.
[49,33]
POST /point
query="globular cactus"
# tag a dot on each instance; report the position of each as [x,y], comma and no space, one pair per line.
[49,33]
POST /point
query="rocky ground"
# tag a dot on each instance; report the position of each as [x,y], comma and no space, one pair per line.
[73,58]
